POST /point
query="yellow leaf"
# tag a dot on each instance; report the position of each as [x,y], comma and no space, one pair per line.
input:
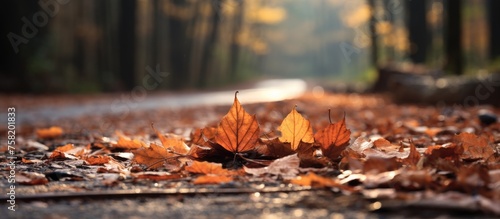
[238,131]
[294,129]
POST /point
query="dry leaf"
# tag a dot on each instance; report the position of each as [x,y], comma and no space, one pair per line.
[31,178]
[153,156]
[201,136]
[173,142]
[65,148]
[286,167]
[52,132]
[413,157]
[207,168]
[157,176]
[295,129]
[238,131]
[334,139]
[212,179]
[311,179]
[97,159]
[474,147]
[127,143]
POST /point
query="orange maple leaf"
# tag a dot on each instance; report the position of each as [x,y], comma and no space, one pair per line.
[295,129]
[238,131]
[52,132]
[334,139]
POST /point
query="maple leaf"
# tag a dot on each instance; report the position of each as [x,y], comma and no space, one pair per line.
[413,157]
[173,142]
[200,136]
[238,131]
[48,133]
[295,129]
[333,139]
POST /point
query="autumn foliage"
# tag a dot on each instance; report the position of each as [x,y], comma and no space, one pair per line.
[237,150]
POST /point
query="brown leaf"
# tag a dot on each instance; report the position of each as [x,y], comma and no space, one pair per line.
[286,167]
[127,143]
[334,139]
[212,179]
[97,159]
[295,129]
[201,136]
[31,178]
[175,143]
[48,133]
[311,179]
[157,176]
[153,156]
[65,148]
[207,168]
[413,157]
[380,164]
[475,147]
[274,148]
[238,131]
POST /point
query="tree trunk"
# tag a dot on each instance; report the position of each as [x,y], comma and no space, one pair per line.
[453,37]
[493,18]
[206,60]
[373,33]
[419,34]
[127,43]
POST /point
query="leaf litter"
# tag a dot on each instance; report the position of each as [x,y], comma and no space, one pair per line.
[442,158]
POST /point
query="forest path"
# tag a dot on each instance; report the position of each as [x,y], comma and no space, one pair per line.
[136,100]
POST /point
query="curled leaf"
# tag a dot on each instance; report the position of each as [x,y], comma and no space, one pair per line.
[238,131]
[295,129]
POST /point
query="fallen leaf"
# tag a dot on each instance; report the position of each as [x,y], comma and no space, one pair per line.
[238,131]
[65,148]
[127,143]
[475,147]
[157,176]
[333,139]
[201,136]
[174,143]
[212,179]
[286,167]
[153,156]
[48,133]
[413,157]
[274,148]
[295,129]
[207,168]
[311,179]
[31,178]
[97,159]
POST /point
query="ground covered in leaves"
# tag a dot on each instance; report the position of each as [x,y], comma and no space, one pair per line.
[317,156]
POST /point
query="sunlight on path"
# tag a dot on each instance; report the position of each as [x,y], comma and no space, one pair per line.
[265,91]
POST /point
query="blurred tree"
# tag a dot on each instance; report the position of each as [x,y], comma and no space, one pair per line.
[453,37]
[494,17]
[127,42]
[418,31]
